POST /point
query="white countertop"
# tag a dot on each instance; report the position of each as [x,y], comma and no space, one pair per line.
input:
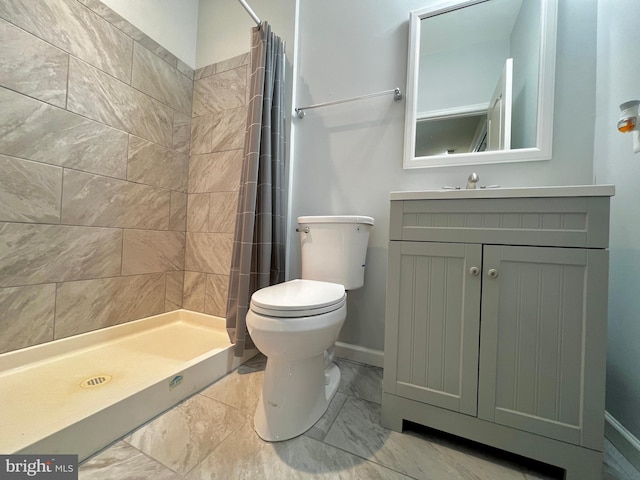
[530,192]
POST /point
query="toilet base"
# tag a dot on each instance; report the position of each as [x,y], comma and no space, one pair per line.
[294,396]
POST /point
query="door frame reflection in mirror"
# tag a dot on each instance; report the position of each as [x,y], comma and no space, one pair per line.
[450,120]
[546,81]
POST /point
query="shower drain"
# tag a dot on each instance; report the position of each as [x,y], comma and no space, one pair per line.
[95,381]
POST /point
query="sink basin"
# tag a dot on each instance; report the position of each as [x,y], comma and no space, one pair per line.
[532,192]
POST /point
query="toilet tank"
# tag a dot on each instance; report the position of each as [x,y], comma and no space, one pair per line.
[334,248]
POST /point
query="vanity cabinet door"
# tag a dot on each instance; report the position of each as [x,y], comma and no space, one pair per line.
[542,346]
[433,315]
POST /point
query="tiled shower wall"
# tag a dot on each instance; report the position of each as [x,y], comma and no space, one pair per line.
[217,141]
[94,160]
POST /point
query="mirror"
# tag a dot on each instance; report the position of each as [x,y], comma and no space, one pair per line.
[480,83]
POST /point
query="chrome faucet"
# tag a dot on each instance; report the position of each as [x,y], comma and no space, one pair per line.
[472,181]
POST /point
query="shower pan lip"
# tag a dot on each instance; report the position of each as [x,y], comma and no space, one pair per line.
[154,363]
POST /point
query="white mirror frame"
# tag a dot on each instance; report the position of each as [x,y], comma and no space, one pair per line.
[544,125]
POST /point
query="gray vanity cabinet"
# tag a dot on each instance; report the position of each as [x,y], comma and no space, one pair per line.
[431,352]
[496,324]
[543,320]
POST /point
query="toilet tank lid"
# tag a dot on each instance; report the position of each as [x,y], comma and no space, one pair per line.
[337,219]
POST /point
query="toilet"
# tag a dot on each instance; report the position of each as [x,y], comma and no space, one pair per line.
[295,324]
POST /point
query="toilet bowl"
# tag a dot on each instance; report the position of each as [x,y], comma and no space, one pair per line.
[294,324]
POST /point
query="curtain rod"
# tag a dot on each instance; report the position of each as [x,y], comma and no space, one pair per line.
[250,11]
[397,96]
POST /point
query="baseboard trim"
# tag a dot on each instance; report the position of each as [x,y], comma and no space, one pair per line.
[360,354]
[623,439]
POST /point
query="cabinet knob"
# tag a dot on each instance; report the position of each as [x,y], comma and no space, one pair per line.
[493,273]
[474,271]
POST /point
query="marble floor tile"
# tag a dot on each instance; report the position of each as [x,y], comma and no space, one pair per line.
[183,436]
[616,466]
[210,437]
[258,362]
[122,461]
[357,430]
[359,380]
[245,456]
[474,460]
[321,428]
[239,389]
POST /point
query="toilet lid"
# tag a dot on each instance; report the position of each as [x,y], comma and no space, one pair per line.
[298,298]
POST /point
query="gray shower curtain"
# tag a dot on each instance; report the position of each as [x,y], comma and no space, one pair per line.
[259,242]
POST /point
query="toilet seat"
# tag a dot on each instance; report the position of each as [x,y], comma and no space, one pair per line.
[298,298]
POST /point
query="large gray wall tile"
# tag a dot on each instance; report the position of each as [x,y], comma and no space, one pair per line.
[36,131]
[163,82]
[223,208]
[197,212]
[209,252]
[26,316]
[175,285]
[152,251]
[217,141]
[221,91]
[215,302]
[187,70]
[31,254]
[181,132]
[116,20]
[29,191]
[206,71]
[178,213]
[215,172]
[219,131]
[153,46]
[228,130]
[32,66]
[153,164]
[102,201]
[194,291]
[75,29]
[94,94]
[70,98]
[113,18]
[92,304]
[233,62]
[229,64]
[201,134]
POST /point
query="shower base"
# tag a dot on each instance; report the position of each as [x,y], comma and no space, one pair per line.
[79,394]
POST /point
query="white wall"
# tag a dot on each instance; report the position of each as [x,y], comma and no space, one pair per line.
[617,82]
[224,27]
[172,24]
[349,157]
